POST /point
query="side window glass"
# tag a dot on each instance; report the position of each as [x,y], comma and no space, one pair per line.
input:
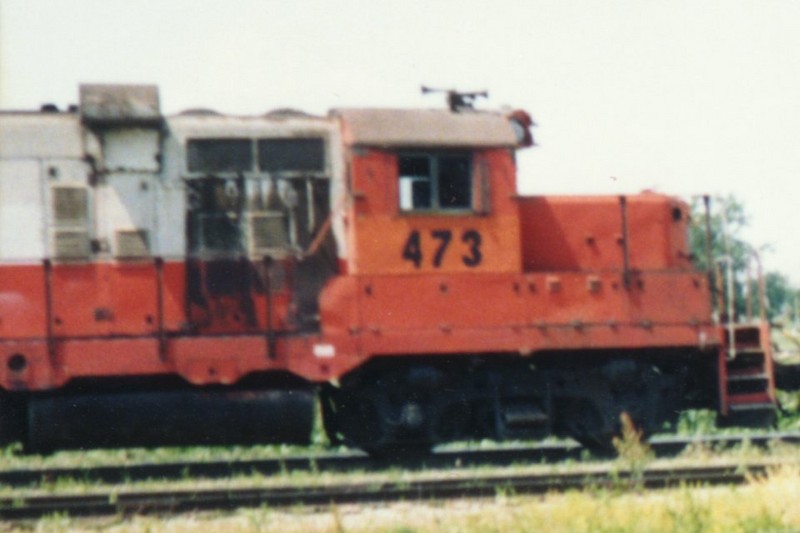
[415,182]
[220,155]
[455,189]
[291,155]
[431,182]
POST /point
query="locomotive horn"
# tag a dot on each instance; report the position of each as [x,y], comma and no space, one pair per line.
[457,100]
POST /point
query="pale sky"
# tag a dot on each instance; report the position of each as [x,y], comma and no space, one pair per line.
[679,96]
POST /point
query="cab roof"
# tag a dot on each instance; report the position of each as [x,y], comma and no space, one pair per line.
[425,127]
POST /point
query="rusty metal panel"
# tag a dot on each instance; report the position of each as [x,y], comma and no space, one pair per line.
[120,104]
[426,127]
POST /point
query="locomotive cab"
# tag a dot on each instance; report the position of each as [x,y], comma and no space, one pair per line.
[432,191]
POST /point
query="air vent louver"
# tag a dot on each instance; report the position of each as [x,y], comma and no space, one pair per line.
[132,244]
[71,244]
[266,230]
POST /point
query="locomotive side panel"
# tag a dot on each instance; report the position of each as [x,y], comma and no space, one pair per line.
[22,226]
[596,233]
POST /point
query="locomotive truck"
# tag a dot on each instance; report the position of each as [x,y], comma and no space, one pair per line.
[202,278]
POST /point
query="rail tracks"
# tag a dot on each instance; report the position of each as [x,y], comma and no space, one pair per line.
[231,498]
[117,500]
[356,461]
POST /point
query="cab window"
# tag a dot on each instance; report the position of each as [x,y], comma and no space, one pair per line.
[435,182]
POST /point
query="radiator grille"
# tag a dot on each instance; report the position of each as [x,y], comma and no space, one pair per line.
[71,244]
[70,205]
[132,244]
[266,230]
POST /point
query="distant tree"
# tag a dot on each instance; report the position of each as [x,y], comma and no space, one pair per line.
[781,296]
[722,225]
[727,219]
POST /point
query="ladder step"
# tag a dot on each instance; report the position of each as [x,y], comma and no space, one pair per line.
[748,350]
[752,398]
[745,364]
[748,355]
[748,383]
[752,407]
[747,334]
[739,388]
[748,377]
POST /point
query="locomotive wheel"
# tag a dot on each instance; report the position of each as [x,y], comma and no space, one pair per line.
[585,423]
[365,422]
[388,413]
[647,394]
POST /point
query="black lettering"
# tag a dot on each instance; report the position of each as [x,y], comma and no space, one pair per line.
[472,239]
[443,236]
[412,251]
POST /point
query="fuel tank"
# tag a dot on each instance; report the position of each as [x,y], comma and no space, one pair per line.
[170,418]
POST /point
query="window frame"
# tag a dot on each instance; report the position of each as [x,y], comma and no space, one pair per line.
[255,168]
[249,180]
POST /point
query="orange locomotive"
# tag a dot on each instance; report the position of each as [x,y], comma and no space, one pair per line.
[202,278]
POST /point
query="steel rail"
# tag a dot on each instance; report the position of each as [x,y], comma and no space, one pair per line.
[167,502]
[343,462]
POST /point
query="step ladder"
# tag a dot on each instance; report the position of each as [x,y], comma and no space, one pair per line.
[747,382]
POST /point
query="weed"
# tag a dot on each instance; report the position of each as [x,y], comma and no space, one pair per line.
[504,491]
[337,519]
[634,454]
[54,522]
[697,422]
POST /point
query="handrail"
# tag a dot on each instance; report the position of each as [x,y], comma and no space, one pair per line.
[626,263]
[730,324]
[269,329]
[762,296]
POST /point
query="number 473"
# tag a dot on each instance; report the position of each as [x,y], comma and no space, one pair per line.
[471,255]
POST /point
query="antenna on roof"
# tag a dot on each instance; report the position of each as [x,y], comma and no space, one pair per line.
[458,100]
